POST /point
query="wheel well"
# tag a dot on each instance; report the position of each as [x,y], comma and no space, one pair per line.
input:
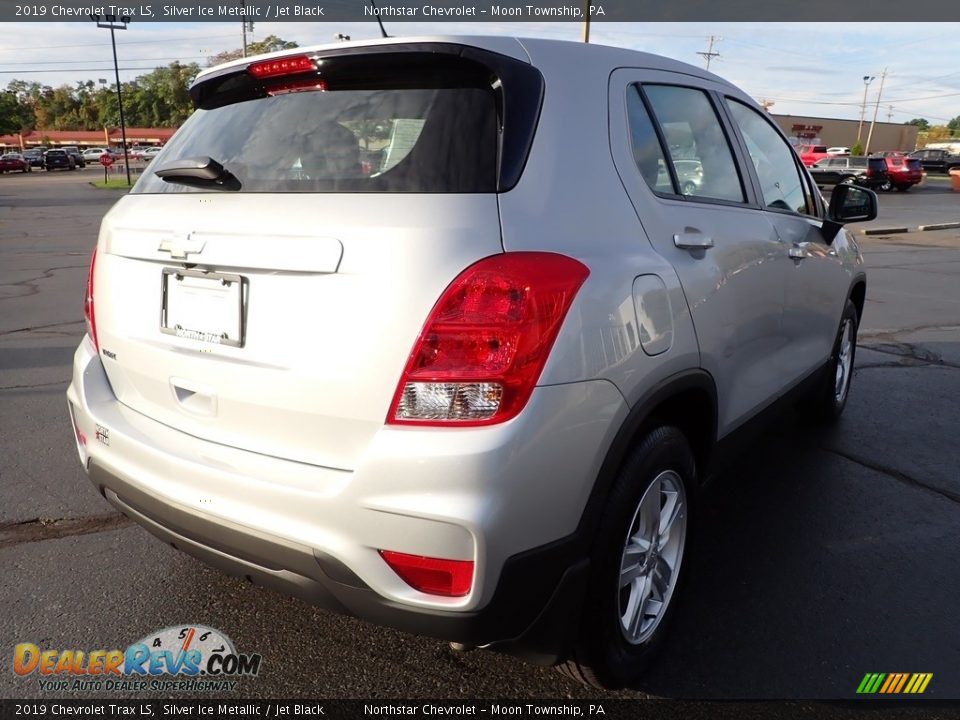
[692,412]
[858,296]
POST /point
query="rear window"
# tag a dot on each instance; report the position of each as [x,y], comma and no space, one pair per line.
[877,163]
[857,162]
[390,122]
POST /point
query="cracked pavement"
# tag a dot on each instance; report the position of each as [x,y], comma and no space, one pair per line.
[822,555]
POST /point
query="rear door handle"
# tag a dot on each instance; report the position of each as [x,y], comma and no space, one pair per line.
[692,241]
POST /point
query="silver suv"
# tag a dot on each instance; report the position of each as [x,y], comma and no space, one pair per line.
[436,333]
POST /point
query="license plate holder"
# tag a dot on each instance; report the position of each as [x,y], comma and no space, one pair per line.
[204,306]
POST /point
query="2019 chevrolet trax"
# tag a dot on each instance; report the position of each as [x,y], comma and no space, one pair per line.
[439,332]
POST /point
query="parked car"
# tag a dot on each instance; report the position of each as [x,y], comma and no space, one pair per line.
[809,154]
[93,154]
[862,171]
[14,162]
[902,173]
[56,158]
[150,153]
[838,151]
[525,345]
[888,153]
[937,161]
[34,157]
[75,153]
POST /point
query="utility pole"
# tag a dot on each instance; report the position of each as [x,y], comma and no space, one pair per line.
[767,104]
[585,33]
[243,19]
[710,54]
[876,108]
[867,79]
[889,113]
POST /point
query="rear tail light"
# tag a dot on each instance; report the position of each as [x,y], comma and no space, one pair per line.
[281,66]
[435,576]
[486,341]
[89,312]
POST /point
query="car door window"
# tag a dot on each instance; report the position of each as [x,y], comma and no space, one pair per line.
[692,131]
[647,151]
[781,181]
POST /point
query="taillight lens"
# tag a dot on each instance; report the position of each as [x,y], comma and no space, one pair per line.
[486,340]
[281,66]
[88,308]
[435,576]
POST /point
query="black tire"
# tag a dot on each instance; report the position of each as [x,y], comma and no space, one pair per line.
[602,655]
[847,180]
[885,186]
[826,402]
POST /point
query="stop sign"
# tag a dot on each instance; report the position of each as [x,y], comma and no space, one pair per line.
[106,160]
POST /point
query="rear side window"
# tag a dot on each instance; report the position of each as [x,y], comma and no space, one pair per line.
[390,124]
[696,160]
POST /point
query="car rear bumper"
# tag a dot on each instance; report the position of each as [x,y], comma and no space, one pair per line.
[314,532]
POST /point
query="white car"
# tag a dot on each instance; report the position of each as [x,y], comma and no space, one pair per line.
[838,151]
[94,154]
[470,384]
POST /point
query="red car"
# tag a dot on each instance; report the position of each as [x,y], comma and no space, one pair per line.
[13,162]
[809,154]
[902,172]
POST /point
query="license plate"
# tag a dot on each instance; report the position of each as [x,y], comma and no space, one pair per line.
[203,306]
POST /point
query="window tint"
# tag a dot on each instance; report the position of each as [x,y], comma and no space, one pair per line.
[693,133]
[647,152]
[780,179]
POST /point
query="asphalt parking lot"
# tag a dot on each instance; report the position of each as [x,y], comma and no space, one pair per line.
[822,556]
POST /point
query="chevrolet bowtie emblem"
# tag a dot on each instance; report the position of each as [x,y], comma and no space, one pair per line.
[179,249]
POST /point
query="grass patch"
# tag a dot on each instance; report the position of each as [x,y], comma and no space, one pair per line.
[112,184]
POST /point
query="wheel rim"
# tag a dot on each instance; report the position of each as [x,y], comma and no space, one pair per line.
[652,553]
[841,381]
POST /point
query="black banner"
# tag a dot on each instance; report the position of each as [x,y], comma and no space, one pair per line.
[484,11]
[434,709]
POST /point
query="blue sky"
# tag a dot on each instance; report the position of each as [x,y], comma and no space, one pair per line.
[803,68]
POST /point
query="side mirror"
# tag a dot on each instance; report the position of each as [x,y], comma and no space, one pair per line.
[849,203]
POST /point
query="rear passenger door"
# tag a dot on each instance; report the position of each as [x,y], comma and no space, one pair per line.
[728,258]
[816,280]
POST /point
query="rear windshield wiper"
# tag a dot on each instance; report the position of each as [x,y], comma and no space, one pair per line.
[200,172]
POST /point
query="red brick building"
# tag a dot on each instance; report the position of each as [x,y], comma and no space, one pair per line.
[108,137]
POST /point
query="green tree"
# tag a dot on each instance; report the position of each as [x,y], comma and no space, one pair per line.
[920,123]
[857,150]
[271,43]
[954,125]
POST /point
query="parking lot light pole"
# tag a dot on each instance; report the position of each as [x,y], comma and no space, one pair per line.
[112,22]
[867,79]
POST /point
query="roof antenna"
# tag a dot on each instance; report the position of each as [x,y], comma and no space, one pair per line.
[376,12]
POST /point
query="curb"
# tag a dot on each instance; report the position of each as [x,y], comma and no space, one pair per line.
[884,231]
[940,226]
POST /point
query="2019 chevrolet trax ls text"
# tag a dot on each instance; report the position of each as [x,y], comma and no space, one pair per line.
[434,332]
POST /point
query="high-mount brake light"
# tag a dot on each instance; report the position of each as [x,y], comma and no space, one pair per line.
[484,344]
[89,311]
[281,66]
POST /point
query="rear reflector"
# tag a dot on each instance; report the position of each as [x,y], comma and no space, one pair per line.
[434,576]
[281,66]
